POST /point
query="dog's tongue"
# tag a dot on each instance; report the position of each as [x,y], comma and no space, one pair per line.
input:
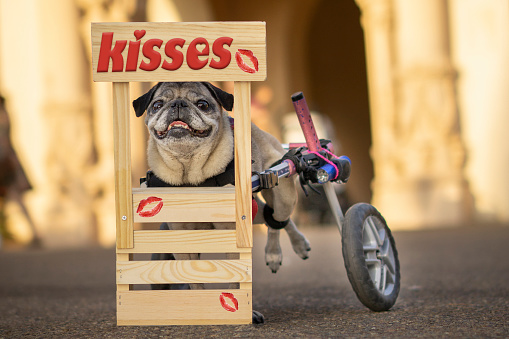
[179,123]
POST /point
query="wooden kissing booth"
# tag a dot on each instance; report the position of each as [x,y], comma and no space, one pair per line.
[153,52]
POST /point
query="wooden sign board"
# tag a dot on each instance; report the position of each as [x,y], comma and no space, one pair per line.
[210,51]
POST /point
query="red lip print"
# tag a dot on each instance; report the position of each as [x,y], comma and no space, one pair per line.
[242,65]
[226,306]
[151,212]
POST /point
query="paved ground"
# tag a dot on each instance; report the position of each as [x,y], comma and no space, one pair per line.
[455,283]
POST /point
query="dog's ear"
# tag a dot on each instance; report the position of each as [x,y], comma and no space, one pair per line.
[141,104]
[224,98]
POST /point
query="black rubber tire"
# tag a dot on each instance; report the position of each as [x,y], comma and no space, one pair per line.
[355,261]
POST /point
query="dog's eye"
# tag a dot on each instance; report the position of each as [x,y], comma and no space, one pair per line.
[157,106]
[203,105]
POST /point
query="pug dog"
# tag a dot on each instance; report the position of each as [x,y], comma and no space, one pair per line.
[191,144]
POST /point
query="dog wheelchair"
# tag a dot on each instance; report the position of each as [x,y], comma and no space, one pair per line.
[369,249]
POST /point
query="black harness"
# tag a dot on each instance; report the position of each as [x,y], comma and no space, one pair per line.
[222,179]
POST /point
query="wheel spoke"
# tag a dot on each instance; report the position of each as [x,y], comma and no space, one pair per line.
[369,248]
[371,262]
[374,268]
[391,278]
[382,236]
[387,257]
[383,278]
[389,263]
[373,230]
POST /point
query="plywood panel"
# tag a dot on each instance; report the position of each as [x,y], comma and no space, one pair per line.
[192,204]
[196,307]
[197,241]
[246,36]
[183,271]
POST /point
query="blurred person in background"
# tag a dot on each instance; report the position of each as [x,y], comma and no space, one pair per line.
[13,181]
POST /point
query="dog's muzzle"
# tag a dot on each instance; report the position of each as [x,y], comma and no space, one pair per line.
[180,129]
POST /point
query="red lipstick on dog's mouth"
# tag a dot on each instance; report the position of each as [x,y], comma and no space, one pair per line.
[151,212]
[242,64]
[230,308]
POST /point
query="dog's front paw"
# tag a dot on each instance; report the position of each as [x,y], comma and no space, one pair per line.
[273,258]
[258,318]
[273,253]
[299,242]
[301,247]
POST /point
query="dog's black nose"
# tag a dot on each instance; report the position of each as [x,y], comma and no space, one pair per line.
[178,103]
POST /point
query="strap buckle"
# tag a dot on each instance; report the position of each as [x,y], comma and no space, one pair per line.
[268,179]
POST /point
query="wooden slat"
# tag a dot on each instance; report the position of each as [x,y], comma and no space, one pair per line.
[184,271]
[123,257]
[197,241]
[193,204]
[122,155]
[243,186]
[191,307]
[246,256]
[245,35]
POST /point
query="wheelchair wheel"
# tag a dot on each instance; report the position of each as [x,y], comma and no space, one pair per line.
[371,258]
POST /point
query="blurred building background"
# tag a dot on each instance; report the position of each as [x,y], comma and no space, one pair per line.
[415,90]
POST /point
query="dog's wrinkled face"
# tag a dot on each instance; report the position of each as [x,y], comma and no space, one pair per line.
[183,116]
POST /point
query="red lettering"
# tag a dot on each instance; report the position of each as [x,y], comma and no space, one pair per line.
[177,57]
[224,55]
[153,56]
[192,54]
[115,54]
[132,56]
[196,56]
[134,52]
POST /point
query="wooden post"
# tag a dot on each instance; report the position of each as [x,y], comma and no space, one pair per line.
[243,186]
[122,154]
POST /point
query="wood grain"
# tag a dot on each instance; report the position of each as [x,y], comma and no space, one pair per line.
[195,241]
[185,307]
[184,271]
[124,257]
[245,35]
[122,158]
[190,204]
[243,185]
